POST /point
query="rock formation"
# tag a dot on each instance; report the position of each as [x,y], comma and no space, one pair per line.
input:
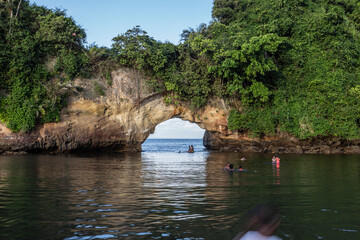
[128,113]
[121,120]
[280,143]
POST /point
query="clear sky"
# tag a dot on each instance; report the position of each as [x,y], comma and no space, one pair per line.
[164,20]
[177,128]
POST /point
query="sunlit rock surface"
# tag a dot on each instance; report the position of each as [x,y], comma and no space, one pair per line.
[120,120]
[128,113]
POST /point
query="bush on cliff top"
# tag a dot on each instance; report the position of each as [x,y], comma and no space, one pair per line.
[314,91]
[29,36]
[293,65]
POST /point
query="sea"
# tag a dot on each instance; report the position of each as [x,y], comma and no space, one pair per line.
[164,192]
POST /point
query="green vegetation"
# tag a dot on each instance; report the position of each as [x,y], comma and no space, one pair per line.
[310,83]
[98,89]
[287,66]
[137,50]
[31,36]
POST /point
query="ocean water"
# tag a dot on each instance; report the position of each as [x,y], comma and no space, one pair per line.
[166,193]
[172,145]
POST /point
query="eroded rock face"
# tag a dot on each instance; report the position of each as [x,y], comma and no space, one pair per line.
[88,125]
[120,121]
[129,112]
[280,143]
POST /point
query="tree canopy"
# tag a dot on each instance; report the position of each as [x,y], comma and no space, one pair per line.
[287,66]
[30,36]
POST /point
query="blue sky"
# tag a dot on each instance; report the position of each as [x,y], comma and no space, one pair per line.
[164,20]
[177,128]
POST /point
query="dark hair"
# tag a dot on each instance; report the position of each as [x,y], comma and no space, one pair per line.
[264,214]
[231,166]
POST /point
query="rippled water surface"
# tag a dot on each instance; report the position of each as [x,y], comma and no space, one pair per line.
[162,193]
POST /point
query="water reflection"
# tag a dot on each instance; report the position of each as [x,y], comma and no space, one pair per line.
[173,195]
[276,173]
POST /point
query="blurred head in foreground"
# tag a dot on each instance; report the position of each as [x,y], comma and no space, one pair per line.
[262,222]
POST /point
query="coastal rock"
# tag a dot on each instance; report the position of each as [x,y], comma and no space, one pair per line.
[119,121]
[128,113]
[278,143]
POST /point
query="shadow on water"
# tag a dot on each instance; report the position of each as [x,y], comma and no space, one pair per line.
[170,195]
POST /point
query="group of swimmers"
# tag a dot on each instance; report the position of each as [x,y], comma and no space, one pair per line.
[275,159]
[191,149]
[230,167]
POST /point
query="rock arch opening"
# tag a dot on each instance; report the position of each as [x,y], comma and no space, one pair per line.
[177,128]
[175,135]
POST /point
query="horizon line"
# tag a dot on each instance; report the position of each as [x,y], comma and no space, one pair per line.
[176,138]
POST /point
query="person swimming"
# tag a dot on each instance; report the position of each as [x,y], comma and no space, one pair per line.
[240,169]
[191,149]
[277,160]
[229,166]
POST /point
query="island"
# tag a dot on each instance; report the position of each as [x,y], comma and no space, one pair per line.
[263,76]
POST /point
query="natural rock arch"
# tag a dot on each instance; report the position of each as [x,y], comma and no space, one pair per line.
[121,121]
[124,118]
[121,127]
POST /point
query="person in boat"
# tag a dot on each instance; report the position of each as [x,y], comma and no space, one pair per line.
[240,169]
[263,222]
[231,167]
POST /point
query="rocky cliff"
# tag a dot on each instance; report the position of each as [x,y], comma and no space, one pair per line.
[120,120]
[128,112]
[280,143]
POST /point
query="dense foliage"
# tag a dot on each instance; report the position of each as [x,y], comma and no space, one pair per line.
[282,65]
[314,82]
[286,65]
[31,37]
